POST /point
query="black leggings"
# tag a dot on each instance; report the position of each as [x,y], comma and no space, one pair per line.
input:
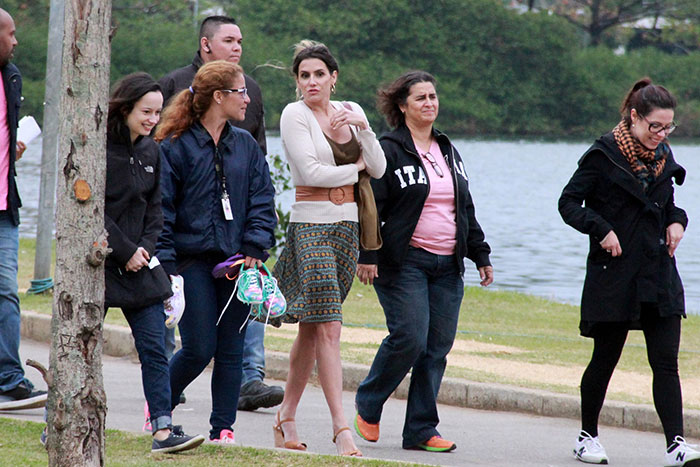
[662,337]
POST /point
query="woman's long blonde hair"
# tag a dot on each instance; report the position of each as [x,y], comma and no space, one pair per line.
[190,104]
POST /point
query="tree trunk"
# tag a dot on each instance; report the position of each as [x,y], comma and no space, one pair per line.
[77,403]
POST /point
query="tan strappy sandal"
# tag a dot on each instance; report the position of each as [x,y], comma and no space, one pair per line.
[279,436]
[355,452]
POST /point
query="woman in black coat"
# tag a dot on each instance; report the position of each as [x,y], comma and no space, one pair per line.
[621,196]
[133,219]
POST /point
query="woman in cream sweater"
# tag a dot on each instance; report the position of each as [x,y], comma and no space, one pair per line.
[331,152]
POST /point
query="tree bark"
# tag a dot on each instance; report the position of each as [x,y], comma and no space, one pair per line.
[77,404]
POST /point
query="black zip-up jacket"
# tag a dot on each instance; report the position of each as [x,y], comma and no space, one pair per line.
[12,81]
[400,195]
[133,214]
[254,122]
[604,195]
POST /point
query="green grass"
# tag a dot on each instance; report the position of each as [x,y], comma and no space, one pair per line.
[541,332]
[20,446]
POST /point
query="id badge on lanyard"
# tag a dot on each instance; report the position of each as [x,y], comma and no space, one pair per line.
[226,204]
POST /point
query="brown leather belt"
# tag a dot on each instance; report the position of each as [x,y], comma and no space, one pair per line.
[338,195]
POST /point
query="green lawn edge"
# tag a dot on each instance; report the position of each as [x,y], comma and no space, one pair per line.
[20,446]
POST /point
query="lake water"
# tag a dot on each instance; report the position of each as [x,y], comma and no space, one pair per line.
[515,185]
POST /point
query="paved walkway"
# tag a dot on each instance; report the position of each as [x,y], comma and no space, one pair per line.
[483,437]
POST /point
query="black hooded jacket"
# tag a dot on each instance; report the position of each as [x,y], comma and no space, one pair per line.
[133,215]
[604,195]
[400,195]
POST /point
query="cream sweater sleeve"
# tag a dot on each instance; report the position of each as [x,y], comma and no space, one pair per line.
[309,155]
[371,149]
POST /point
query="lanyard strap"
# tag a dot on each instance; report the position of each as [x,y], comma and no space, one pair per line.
[218,165]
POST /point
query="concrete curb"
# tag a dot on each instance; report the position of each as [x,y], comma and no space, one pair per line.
[453,391]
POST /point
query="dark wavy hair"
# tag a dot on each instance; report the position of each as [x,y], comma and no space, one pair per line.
[395,94]
[645,97]
[126,93]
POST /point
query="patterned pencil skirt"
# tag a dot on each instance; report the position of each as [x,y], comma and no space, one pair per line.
[316,269]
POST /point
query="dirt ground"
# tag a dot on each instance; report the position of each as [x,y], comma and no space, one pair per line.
[469,355]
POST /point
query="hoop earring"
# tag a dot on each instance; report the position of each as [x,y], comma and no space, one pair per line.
[333,88]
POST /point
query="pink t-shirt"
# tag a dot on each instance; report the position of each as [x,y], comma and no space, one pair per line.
[4,148]
[436,231]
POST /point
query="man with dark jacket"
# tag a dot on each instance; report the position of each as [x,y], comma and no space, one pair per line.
[16,391]
[220,39]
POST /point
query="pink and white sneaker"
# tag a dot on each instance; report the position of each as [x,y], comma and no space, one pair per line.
[147,424]
[225,437]
[175,305]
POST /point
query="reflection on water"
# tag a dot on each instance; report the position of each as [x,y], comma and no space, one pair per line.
[515,185]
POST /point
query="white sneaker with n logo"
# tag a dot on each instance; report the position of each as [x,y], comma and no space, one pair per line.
[589,450]
[680,453]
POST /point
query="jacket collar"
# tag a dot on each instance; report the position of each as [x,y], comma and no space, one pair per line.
[8,72]
[197,61]
[623,174]
[202,136]
[402,136]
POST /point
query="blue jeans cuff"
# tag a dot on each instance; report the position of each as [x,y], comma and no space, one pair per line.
[160,423]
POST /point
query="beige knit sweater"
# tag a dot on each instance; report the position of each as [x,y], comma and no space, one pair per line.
[311,162]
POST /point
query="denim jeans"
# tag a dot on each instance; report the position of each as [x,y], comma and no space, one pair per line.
[422,308]
[11,371]
[254,352]
[170,342]
[148,328]
[203,340]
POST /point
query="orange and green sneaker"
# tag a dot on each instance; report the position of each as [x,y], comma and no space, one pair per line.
[367,431]
[437,444]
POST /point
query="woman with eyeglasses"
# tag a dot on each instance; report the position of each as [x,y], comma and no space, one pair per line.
[429,227]
[218,201]
[621,196]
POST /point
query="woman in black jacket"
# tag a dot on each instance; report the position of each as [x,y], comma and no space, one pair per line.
[218,201]
[621,196]
[428,227]
[133,219]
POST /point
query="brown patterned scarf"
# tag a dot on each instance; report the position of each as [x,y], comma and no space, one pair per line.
[646,164]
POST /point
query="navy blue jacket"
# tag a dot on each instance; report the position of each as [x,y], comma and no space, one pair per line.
[13,91]
[193,218]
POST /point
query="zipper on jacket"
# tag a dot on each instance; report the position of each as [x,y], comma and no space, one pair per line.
[451,165]
[460,262]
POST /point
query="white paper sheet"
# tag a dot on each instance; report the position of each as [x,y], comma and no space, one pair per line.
[28,130]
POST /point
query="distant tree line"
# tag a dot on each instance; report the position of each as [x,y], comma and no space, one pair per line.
[500,71]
